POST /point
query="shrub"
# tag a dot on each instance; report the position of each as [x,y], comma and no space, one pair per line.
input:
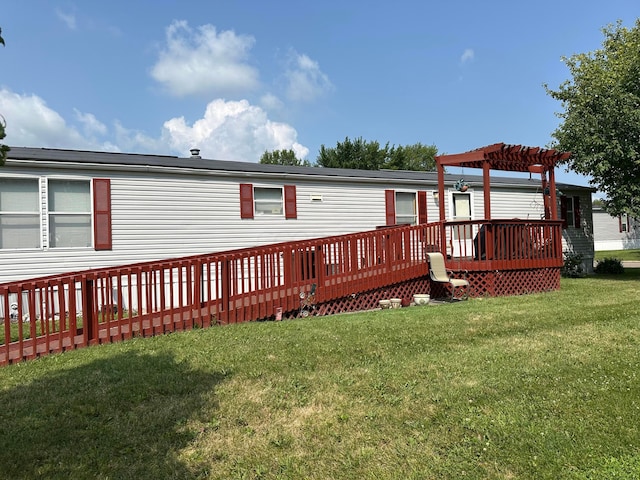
[609,265]
[572,267]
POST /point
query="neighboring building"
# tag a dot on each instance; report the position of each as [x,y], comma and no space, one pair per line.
[68,210]
[614,233]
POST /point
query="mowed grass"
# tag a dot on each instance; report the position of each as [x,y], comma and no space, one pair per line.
[632,254]
[543,386]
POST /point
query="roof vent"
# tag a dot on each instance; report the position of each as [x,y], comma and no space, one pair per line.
[195,153]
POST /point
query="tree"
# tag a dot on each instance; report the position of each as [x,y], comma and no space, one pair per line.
[363,155]
[357,154]
[413,157]
[4,149]
[283,157]
[601,117]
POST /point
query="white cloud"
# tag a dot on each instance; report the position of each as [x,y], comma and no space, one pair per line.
[467,56]
[305,80]
[68,18]
[90,123]
[271,102]
[205,62]
[232,130]
[229,130]
[30,122]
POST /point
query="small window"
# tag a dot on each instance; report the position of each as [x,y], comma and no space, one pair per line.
[570,217]
[405,208]
[69,204]
[268,201]
[19,213]
[624,223]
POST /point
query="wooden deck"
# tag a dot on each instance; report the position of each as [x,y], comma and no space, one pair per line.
[331,274]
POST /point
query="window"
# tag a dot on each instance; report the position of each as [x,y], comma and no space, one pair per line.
[570,211]
[69,203]
[267,201]
[405,208]
[402,208]
[55,213]
[569,217]
[625,224]
[19,213]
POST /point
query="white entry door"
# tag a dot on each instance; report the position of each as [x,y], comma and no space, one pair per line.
[462,236]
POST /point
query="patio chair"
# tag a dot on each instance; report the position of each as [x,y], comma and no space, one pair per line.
[438,273]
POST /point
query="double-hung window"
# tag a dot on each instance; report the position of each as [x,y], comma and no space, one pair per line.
[69,209]
[405,208]
[19,213]
[271,201]
[55,213]
[268,201]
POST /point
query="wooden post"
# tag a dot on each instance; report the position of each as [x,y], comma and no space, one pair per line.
[552,192]
[226,284]
[486,180]
[89,319]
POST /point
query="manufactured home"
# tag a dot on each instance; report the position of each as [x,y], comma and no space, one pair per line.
[70,210]
[614,233]
[98,247]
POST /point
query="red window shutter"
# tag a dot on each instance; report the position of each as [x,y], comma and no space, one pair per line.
[620,223]
[563,211]
[102,213]
[246,200]
[576,212]
[390,206]
[290,208]
[422,206]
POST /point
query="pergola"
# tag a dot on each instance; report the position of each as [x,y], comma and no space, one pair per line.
[511,158]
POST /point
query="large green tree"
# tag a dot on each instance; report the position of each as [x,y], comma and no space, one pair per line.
[3,148]
[365,155]
[601,118]
[413,157]
[283,157]
[358,154]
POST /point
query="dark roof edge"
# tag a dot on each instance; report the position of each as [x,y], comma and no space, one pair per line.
[119,159]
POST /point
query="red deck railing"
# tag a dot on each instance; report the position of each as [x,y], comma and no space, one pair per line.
[483,245]
[62,312]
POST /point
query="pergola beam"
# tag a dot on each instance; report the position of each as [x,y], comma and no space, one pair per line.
[501,156]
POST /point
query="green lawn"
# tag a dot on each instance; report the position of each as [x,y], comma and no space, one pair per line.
[543,386]
[619,254]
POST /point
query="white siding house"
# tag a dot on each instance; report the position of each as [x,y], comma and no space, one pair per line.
[614,233]
[67,210]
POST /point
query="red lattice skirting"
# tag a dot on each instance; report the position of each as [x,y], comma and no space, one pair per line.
[488,283]
[513,282]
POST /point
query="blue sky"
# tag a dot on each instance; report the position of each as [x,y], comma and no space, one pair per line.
[238,77]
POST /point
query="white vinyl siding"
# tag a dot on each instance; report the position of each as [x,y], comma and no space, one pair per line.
[160,213]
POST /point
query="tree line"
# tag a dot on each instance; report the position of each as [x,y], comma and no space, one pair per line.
[361,154]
